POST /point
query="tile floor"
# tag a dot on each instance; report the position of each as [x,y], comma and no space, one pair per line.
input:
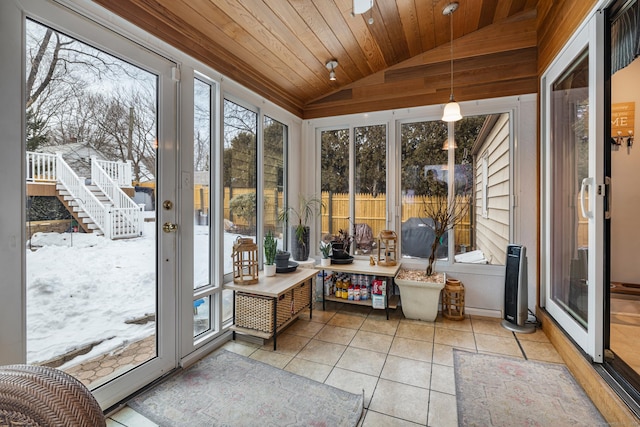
[405,367]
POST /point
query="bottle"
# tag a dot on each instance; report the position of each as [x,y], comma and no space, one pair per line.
[356,293]
[350,293]
[339,287]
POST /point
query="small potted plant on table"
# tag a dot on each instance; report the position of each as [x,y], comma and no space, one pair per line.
[325,250]
[270,249]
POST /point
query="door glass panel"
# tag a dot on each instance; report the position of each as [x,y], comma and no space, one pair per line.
[91,230]
[202,203]
[569,147]
[370,186]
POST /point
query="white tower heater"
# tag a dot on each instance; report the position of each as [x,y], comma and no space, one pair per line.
[516,305]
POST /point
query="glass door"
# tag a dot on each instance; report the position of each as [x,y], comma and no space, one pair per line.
[574,189]
[101,223]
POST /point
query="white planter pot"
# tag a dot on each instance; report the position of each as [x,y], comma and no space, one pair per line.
[419,300]
[325,262]
[269,270]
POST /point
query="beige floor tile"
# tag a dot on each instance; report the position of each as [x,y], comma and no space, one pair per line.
[538,336]
[357,310]
[278,360]
[304,328]
[128,417]
[306,368]
[380,325]
[353,382]
[240,347]
[322,352]
[489,326]
[455,338]
[542,351]
[443,379]
[363,361]
[336,334]
[423,331]
[321,316]
[376,419]
[412,349]
[498,345]
[287,344]
[458,325]
[372,341]
[401,401]
[443,354]
[442,410]
[347,320]
[407,371]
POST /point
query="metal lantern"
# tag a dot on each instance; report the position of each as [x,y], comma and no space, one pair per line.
[245,261]
[387,248]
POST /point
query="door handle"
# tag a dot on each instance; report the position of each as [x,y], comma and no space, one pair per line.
[169,227]
[585,211]
[608,197]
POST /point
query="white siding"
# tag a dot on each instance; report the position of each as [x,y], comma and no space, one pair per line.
[492,232]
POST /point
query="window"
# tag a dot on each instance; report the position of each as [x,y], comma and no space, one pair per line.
[470,168]
[275,144]
[370,186]
[334,180]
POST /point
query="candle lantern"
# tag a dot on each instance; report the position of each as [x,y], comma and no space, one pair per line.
[387,248]
[245,261]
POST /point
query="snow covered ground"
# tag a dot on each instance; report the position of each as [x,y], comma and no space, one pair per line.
[81,288]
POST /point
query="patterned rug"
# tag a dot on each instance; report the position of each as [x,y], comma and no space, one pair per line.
[503,391]
[227,389]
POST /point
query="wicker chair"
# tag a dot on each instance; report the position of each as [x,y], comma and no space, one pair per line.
[40,396]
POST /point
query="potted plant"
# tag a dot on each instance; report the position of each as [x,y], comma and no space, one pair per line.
[420,289]
[325,250]
[282,259]
[270,249]
[341,244]
[307,209]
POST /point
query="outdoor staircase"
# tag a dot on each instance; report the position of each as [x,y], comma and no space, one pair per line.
[100,206]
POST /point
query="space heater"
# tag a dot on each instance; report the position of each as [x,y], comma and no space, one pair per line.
[516,307]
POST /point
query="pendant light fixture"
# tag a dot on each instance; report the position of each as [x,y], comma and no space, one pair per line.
[362,6]
[331,65]
[452,109]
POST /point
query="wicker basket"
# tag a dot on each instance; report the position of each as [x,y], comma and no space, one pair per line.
[256,311]
[301,297]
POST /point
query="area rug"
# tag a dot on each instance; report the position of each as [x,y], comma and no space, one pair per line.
[227,389]
[504,391]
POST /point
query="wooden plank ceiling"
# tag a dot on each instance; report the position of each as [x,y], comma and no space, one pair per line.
[279,48]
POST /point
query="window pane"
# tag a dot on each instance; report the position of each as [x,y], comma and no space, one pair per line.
[334,180]
[201,183]
[370,185]
[423,183]
[275,137]
[201,315]
[240,182]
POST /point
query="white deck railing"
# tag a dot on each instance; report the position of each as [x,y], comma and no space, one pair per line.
[126,215]
[41,167]
[87,201]
[120,172]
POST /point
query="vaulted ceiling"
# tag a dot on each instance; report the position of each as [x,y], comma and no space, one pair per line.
[279,48]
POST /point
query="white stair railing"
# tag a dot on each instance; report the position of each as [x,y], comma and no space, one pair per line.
[85,199]
[126,216]
[120,172]
[41,167]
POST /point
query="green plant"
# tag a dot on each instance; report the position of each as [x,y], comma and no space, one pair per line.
[325,249]
[244,205]
[307,209]
[270,248]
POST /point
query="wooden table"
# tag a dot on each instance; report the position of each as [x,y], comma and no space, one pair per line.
[264,309]
[362,266]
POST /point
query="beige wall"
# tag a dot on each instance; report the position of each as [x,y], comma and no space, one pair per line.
[625,180]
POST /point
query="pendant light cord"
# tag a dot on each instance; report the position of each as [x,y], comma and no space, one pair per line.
[451,50]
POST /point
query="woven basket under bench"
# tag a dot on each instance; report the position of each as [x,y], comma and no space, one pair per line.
[256,311]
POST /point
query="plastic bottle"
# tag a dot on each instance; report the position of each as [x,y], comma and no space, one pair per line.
[356,293]
[350,293]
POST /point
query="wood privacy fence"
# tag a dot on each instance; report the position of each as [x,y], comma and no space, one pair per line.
[369,209]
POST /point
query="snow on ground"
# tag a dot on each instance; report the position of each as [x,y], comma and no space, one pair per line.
[82,287]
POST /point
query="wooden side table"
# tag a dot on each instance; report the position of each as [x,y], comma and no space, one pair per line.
[453,300]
